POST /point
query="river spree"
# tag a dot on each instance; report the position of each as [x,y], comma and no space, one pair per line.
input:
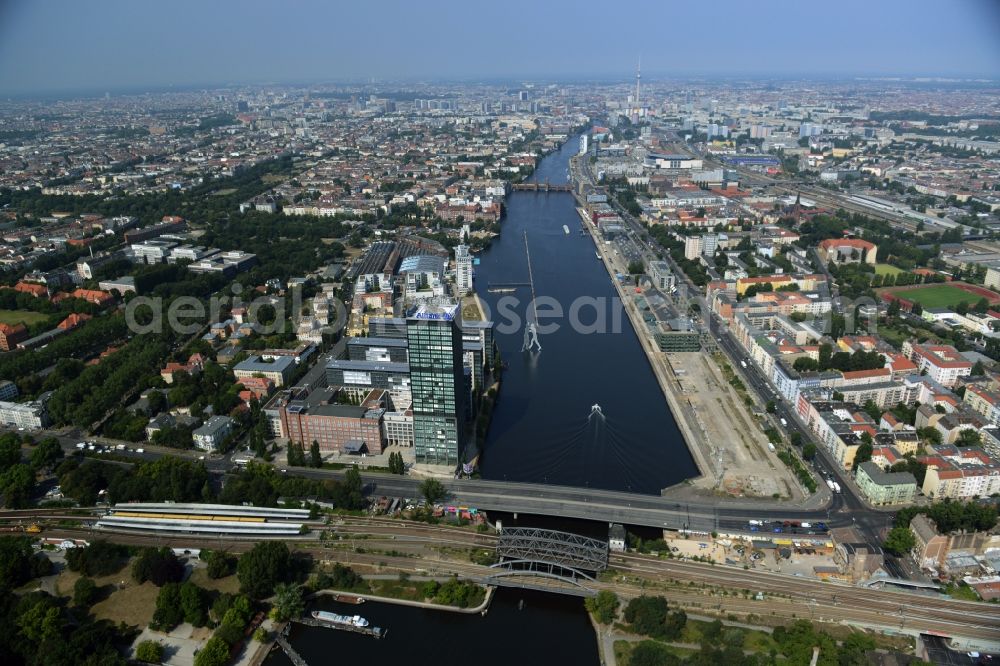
[545,426]
[549,629]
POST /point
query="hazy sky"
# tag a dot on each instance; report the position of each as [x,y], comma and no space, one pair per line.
[53,45]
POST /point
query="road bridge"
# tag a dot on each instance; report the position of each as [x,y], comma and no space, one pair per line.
[544,186]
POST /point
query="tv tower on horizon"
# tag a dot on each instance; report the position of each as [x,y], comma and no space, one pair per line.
[638,78]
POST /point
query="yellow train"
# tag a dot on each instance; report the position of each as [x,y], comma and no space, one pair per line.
[184,516]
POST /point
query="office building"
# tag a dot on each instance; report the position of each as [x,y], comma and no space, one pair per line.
[437,382]
[336,427]
[24,414]
[279,369]
[358,378]
[379,350]
[8,390]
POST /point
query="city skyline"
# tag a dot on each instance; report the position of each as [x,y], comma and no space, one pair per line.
[129,46]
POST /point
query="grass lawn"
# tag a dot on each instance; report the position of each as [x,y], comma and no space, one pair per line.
[409,590]
[887,269]
[470,309]
[134,604]
[938,296]
[230,584]
[26,317]
[896,335]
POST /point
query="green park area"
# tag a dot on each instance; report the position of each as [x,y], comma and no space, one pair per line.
[938,296]
[25,317]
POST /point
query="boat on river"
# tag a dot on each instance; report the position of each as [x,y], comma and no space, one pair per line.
[344,620]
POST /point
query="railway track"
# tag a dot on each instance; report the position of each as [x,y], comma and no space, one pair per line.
[785,596]
[914,607]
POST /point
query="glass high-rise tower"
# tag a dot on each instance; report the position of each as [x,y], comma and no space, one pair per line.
[437,383]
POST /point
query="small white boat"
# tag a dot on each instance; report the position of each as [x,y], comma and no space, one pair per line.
[565,230]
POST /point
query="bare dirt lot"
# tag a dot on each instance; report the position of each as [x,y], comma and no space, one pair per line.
[748,467]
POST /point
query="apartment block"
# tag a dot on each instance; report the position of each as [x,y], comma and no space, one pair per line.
[942,363]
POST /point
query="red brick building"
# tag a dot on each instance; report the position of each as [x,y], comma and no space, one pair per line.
[11,335]
[343,428]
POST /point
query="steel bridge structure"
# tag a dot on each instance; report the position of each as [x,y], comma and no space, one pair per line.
[529,551]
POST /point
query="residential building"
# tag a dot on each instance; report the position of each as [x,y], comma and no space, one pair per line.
[463,270]
[663,277]
[195,364]
[881,488]
[166,420]
[210,436]
[437,384]
[942,363]
[931,547]
[72,321]
[983,401]
[960,473]
[858,561]
[11,335]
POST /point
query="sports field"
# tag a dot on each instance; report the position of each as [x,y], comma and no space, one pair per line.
[937,296]
[26,317]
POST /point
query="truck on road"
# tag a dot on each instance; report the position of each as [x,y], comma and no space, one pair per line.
[784,423]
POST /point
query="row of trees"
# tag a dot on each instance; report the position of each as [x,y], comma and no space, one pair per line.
[176,479]
[297,455]
[651,616]
[93,335]
[453,593]
[951,516]
[843,361]
[396,464]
